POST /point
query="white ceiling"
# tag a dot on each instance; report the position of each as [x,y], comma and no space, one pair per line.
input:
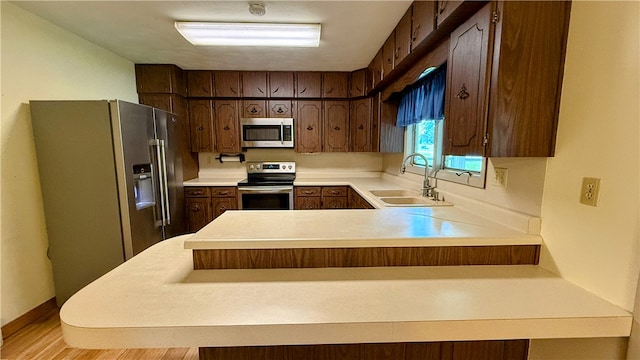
[143,31]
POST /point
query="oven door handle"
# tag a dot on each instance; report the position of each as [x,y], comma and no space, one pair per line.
[266,189]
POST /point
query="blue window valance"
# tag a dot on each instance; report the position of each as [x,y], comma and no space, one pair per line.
[424,100]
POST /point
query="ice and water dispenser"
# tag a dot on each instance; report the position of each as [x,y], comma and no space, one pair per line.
[143,186]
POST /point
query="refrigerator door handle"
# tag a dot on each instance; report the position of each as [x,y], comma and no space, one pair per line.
[162,180]
[165,185]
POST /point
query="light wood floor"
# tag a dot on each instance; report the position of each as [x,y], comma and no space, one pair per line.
[42,340]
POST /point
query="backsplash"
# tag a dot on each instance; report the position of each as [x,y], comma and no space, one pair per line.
[305,163]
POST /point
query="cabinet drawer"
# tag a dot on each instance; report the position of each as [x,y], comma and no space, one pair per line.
[196,192]
[308,191]
[221,192]
[332,191]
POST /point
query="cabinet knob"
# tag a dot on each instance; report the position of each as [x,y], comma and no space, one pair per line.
[309,127]
[196,208]
[200,128]
[227,127]
[253,110]
[361,127]
[276,90]
[233,90]
[303,90]
[337,128]
[280,110]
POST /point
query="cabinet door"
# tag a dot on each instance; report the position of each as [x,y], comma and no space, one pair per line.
[199,83]
[227,126]
[160,79]
[303,191]
[360,119]
[445,9]
[358,86]
[388,55]
[201,124]
[423,21]
[467,82]
[334,202]
[308,126]
[307,203]
[220,205]
[279,108]
[226,83]
[254,84]
[403,37]
[254,108]
[376,69]
[308,84]
[336,126]
[159,101]
[281,84]
[335,85]
[198,213]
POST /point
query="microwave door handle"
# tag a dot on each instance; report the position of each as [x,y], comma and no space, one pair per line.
[282,133]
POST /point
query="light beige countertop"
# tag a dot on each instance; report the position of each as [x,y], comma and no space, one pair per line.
[157,300]
[389,227]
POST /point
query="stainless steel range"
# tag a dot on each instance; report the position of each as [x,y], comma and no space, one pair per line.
[269,186]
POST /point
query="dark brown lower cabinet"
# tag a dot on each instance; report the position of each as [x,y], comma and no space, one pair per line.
[448,350]
[203,204]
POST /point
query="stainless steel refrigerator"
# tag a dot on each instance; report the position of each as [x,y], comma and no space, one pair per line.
[111,180]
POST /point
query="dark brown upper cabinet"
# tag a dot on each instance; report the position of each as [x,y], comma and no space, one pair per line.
[388,55]
[403,37]
[281,84]
[336,125]
[201,124]
[199,83]
[254,108]
[279,108]
[358,84]
[308,126]
[423,21]
[160,79]
[360,120]
[226,84]
[445,9]
[254,84]
[308,84]
[227,125]
[335,85]
[467,81]
[504,78]
[375,68]
[526,77]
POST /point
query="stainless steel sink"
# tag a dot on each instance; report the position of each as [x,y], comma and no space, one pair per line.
[408,201]
[393,192]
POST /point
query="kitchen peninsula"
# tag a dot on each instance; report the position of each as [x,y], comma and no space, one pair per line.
[164,298]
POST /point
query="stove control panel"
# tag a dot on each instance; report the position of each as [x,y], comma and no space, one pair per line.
[283,167]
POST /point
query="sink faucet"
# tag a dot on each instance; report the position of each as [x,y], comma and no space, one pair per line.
[427,190]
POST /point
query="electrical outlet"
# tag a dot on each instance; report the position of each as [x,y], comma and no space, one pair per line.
[590,191]
[500,179]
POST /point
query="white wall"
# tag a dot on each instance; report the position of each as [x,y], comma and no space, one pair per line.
[597,247]
[40,61]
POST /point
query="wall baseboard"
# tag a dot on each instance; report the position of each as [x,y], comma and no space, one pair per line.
[31,316]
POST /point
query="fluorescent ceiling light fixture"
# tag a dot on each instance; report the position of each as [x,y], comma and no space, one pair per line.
[250,34]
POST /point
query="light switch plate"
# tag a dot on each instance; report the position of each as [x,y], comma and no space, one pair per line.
[590,191]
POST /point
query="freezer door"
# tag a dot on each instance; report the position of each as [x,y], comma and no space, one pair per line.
[137,175]
[168,134]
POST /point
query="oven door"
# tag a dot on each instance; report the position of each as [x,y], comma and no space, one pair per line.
[265,197]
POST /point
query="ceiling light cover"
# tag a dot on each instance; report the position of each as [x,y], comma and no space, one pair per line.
[250,34]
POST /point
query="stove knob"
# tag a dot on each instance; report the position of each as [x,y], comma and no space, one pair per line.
[250,167]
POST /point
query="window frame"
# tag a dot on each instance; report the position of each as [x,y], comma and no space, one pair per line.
[438,169]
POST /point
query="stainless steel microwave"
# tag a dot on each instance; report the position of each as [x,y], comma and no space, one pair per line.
[266,132]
